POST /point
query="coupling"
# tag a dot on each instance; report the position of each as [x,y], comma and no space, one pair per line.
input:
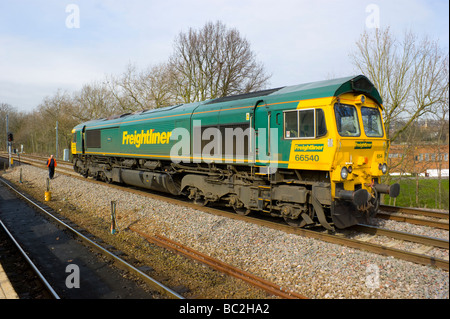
[392,190]
[359,197]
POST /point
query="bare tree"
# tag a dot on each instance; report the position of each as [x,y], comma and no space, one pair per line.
[131,89]
[211,62]
[114,85]
[409,74]
[58,107]
[214,62]
[137,90]
[154,87]
[93,101]
[441,114]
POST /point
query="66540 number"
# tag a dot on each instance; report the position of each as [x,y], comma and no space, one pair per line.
[306,158]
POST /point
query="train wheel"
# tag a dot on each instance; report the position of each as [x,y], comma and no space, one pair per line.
[85,174]
[200,201]
[303,218]
[105,178]
[298,222]
[238,206]
[242,211]
[197,196]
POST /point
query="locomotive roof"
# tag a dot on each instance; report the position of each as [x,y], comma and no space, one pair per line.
[334,87]
[312,90]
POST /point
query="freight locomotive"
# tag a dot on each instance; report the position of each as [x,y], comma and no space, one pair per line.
[312,153]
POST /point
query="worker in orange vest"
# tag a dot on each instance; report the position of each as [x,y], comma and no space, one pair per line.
[51,164]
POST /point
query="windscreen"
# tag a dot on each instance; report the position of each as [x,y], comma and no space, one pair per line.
[347,120]
[372,122]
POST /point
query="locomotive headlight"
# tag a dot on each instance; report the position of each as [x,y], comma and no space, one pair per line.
[382,168]
[360,99]
[344,172]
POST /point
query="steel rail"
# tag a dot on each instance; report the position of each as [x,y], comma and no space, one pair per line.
[353,243]
[415,211]
[39,163]
[419,239]
[268,286]
[30,262]
[152,282]
[358,244]
[407,210]
[415,221]
[221,266]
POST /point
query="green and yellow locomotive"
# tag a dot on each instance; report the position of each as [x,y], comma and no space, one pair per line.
[312,153]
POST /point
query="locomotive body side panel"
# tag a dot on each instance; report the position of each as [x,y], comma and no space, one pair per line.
[310,153]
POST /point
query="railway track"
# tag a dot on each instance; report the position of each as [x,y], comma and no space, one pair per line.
[418,255]
[20,259]
[416,211]
[213,263]
[221,266]
[417,216]
[423,217]
[414,238]
[121,263]
[364,244]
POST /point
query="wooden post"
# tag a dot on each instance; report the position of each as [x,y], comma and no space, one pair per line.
[113,218]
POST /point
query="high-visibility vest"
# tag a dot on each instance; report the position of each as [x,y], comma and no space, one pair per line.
[50,160]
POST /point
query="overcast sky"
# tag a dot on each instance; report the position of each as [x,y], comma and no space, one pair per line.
[57,44]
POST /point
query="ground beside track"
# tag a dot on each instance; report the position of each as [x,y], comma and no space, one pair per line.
[310,267]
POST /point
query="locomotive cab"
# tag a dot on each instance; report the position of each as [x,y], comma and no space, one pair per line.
[360,160]
[338,145]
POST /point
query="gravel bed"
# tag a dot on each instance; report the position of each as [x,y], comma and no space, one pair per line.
[406,227]
[308,266]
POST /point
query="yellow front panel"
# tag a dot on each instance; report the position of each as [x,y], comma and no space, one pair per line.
[333,151]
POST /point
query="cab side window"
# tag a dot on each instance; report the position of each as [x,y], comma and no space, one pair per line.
[308,123]
[291,124]
[321,126]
